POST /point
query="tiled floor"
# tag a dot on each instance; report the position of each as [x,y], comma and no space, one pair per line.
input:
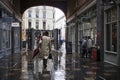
[65,67]
[31,70]
[87,69]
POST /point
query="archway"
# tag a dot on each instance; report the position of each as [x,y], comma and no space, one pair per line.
[39,19]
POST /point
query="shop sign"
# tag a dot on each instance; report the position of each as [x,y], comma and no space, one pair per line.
[15,24]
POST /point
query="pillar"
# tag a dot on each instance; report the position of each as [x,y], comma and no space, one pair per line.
[100,27]
[76,35]
[118,37]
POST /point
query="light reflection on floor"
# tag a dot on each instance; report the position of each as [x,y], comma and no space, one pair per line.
[67,69]
[60,72]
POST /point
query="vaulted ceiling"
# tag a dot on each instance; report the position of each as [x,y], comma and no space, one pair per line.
[61,4]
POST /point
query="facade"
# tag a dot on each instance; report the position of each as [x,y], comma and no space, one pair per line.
[35,21]
[59,31]
[10,38]
[60,24]
[41,17]
[86,21]
[111,31]
[10,35]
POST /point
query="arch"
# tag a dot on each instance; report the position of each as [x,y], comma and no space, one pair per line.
[60,27]
[61,4]
[58,13]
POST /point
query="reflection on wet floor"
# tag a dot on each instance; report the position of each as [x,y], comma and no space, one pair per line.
[67,67]
[87,69]
[55,69]
[62,67]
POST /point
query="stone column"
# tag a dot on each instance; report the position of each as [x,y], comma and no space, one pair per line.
[76,35]
[100,27]
[118,37]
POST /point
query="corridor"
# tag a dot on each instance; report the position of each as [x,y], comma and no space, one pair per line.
[64,67]
[55,68]
[97,19]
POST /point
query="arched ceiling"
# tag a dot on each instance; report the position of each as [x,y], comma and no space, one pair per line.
[61,4]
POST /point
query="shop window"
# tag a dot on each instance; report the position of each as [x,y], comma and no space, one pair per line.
[80,32]
[108,37]
[73,34]
[111,30]
[108,16]
[16,38]
[114,15]
[7,39]
[94,30]
[0,39]
[4,39]
[114,37]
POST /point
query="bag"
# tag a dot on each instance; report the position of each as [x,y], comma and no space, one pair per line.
[50,56]
[35,52]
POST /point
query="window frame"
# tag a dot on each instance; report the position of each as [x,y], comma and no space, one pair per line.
[29,13]
[109,46]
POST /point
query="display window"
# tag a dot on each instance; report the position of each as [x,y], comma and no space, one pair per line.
[111,30]
[0,39]
[16,37]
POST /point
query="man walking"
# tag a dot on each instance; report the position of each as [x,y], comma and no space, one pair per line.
[45,48]
[84,47]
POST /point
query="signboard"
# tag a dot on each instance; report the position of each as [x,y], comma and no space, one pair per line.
[15,24]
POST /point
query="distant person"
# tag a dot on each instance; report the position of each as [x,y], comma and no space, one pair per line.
[84,47]
[81,46]
[89,46]
[45,48]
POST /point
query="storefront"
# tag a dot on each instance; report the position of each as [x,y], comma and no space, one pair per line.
[10,42]
[71,37]
[5,32]
[118,39]
[111,31]
[87,25]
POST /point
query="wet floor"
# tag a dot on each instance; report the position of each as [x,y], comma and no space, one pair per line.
[32,69]
[62,67]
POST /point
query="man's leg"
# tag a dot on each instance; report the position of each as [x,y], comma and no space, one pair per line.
[83,53]
[45,63]
[86,53]
[90,52]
